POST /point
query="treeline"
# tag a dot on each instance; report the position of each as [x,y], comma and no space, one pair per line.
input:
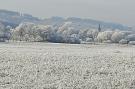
[67,34]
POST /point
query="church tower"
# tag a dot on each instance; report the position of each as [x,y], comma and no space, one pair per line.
[99,28]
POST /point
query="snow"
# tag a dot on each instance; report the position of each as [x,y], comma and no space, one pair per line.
[66,66]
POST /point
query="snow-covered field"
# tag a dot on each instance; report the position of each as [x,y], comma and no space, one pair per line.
[66,66]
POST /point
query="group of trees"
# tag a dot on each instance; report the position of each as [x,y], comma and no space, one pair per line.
[29,32]
[4,32]
[66,34]
[63,34]
[34,32]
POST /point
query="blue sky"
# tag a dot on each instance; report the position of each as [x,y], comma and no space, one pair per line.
[121,11]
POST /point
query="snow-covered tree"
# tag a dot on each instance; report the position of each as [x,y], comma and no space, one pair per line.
[2,29]
[74,38]
[83,34]
[92,33]
[117,36]
[45,32]
[25,32]
[104,36]
[65,31]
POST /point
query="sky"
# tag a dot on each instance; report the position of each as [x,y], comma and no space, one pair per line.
[120,11]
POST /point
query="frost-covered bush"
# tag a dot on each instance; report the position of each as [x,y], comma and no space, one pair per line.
[104,36]
[89,39]
[130,37]
[107,41]
[123,41]
[132,42]
[117,36]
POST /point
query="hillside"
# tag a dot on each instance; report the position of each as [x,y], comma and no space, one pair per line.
[13,19]
[80,23]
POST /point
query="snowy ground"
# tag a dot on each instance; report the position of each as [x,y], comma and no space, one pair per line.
[66,66]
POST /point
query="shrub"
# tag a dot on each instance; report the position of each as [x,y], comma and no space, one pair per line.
[123,41]
[130,37]
[132,42]
[117,36]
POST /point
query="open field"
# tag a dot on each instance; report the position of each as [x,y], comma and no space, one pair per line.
[66,66]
